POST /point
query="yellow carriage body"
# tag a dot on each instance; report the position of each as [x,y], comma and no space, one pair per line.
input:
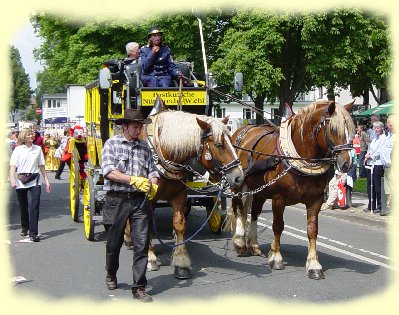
[102,107]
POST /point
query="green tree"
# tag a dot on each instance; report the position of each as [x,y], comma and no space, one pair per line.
[20,89]
[280,54]
[269,55]
[73,53]
[348,47]
[288,54]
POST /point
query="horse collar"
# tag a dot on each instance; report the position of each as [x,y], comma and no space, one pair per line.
[288,149]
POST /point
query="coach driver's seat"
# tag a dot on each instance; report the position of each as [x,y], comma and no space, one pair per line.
[133,72]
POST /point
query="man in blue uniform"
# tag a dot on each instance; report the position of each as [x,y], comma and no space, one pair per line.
[157,65]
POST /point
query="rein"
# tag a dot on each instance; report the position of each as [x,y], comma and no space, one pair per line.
[193,235]
[285,157]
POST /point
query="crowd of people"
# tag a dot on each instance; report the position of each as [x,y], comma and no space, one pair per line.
[372,159]
[51,143]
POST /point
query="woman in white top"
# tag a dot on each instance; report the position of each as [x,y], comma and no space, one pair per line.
[25,163]
[373,161]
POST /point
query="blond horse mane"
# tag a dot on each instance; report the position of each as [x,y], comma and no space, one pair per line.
[180,134]
[340,119]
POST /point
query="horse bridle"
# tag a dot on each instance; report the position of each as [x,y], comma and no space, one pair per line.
[218,168]
[332,149]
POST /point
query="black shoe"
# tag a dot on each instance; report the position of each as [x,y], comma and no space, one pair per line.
[34,238]
[111,282]
[377,211]
[24,232]
[383,214]
[57,177]
[366,210]
[141,295]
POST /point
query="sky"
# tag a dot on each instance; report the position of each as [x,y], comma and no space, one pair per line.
[25,41]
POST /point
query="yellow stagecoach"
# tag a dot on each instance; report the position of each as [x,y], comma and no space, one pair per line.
[117,88]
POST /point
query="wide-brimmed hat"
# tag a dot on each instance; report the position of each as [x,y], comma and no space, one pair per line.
[154,30]
[133,115]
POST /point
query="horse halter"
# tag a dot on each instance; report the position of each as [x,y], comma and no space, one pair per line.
[218,167]
[332,149]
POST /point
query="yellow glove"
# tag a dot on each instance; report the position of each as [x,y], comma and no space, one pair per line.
[141,183]
[153,191]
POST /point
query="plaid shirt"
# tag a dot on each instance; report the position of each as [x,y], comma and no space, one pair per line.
[129,157]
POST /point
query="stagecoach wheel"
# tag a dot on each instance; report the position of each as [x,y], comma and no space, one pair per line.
[74,186]
[217,218]
[89,208]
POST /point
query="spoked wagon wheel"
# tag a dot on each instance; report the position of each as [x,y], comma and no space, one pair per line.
[74,186]
[218,216]
[89,205]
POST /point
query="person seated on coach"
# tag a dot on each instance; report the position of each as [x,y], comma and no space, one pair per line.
[157,65]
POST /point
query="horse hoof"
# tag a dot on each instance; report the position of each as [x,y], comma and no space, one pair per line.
[315,274]
[182,273]
[277,265]
[255,251]
[152,266]
[128,244]
[240,250]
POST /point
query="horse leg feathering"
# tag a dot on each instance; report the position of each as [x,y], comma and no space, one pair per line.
[240,232]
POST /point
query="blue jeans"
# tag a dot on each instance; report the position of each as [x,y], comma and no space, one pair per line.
[29,203]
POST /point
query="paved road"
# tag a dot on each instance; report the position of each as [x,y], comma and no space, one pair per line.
[352,248]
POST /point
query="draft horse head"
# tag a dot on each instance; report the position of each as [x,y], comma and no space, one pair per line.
[334,132]
[217,154]
[183,136]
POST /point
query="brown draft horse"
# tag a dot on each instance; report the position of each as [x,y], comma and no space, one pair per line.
[320,130]
[178,137]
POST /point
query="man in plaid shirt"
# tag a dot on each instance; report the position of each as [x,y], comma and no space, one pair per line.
[128,169]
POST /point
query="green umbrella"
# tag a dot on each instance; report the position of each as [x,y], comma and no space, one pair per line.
[383,109]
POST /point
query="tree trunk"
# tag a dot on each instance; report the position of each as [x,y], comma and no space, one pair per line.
[366,97]
[330,94]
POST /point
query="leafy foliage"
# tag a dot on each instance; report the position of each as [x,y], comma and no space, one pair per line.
[286,54]
[21,93]
[280,54]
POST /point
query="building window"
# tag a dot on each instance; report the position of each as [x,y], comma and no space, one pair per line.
[220,112]
[274,113]
[248,113]
[48,103]
[321,92]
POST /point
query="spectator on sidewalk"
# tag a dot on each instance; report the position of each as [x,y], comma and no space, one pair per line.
[363,141]
[374,166]
[333,191]
[371,132]
[351,178]
[386,160]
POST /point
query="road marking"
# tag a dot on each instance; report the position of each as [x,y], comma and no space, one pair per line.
[333,248]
